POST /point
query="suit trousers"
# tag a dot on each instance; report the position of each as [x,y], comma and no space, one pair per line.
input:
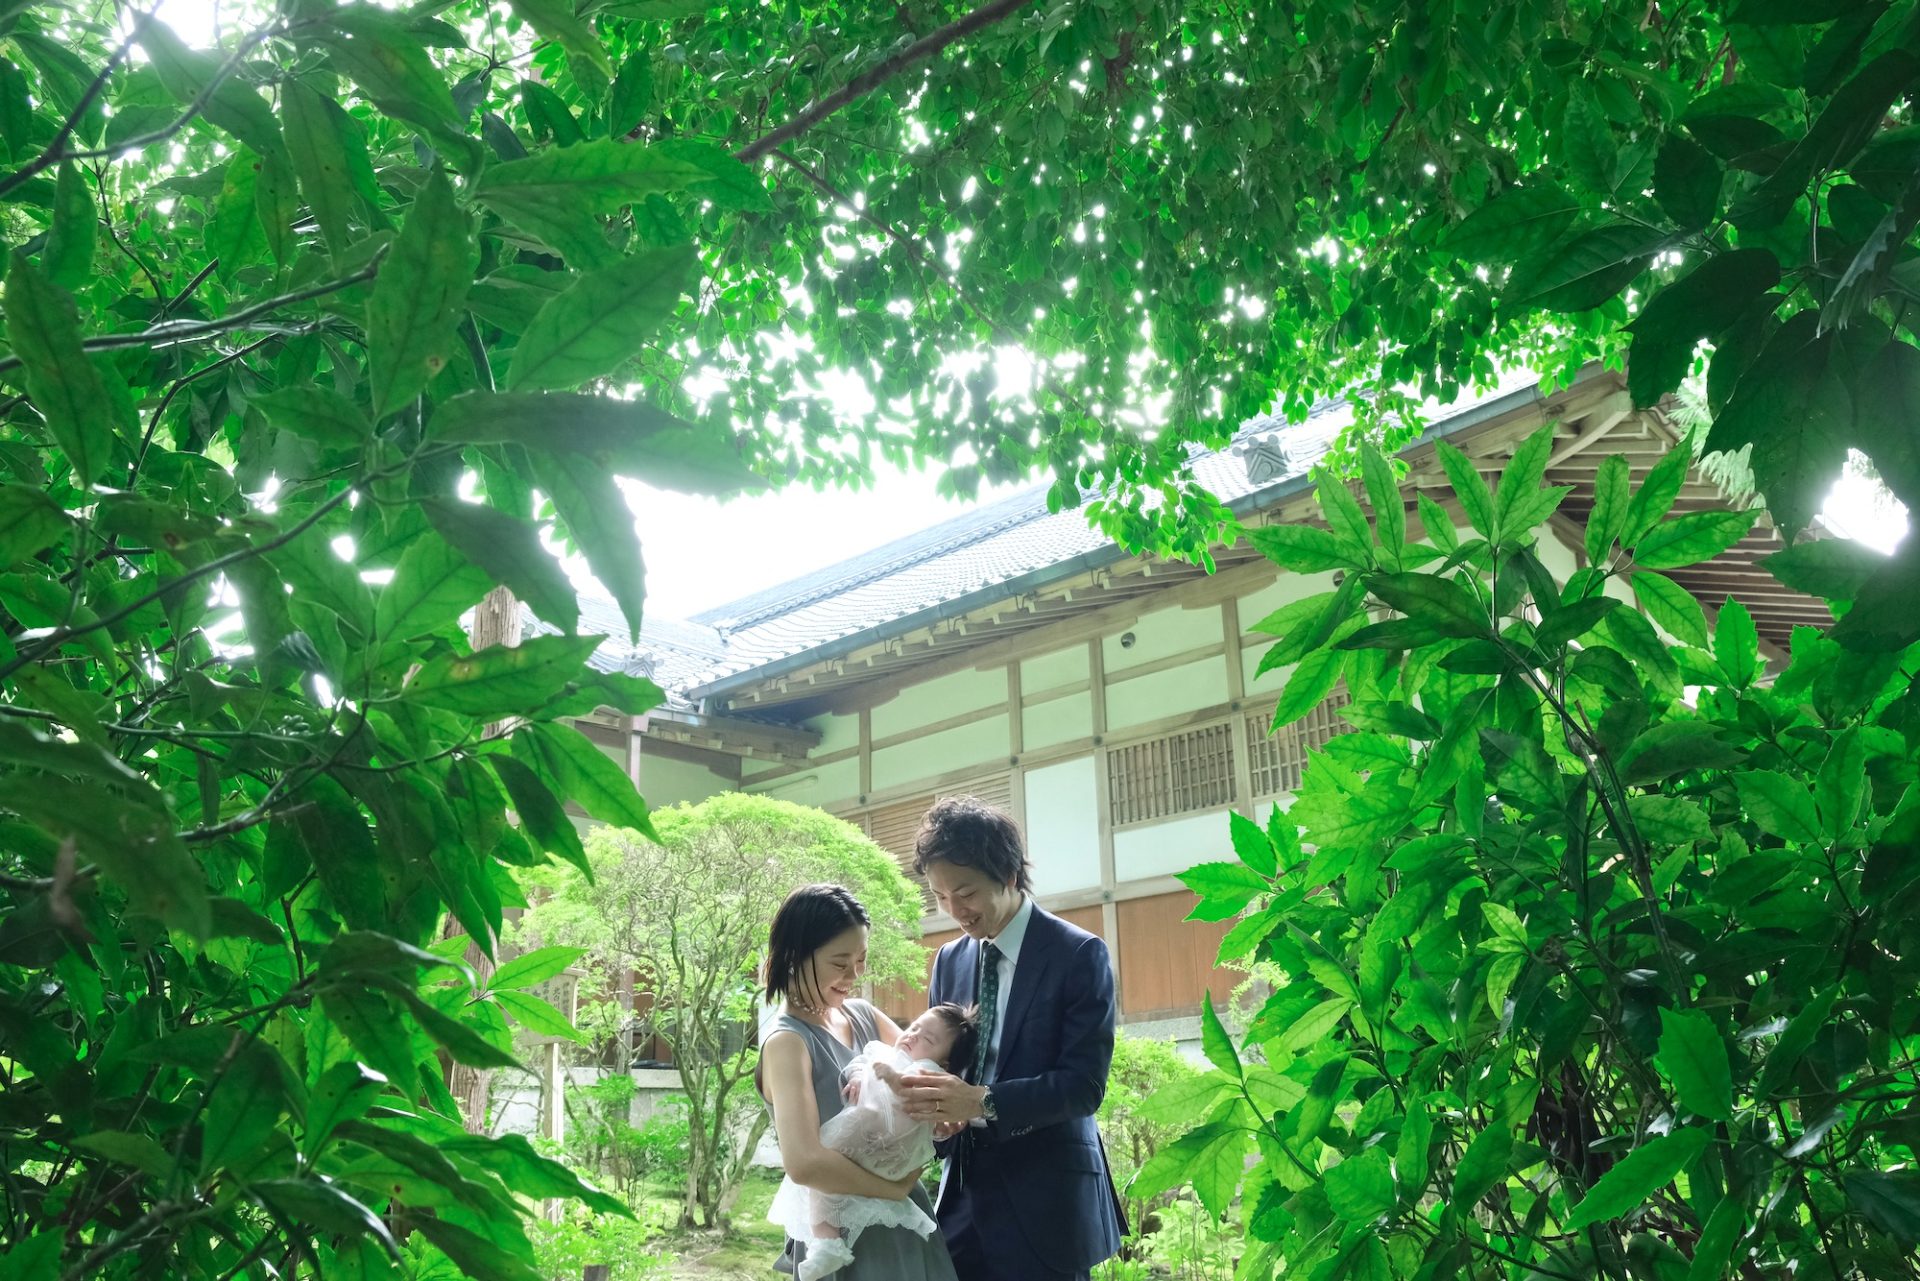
[976,1259]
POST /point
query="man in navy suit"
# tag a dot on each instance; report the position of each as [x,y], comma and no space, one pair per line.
[1026,1195]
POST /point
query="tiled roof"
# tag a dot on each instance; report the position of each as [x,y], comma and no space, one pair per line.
[955,559]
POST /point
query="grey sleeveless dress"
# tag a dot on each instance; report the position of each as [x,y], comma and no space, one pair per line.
[881,1254]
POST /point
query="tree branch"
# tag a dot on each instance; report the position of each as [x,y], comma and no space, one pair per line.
[864,83]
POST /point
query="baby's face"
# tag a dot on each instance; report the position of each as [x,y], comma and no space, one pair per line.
[927,1037]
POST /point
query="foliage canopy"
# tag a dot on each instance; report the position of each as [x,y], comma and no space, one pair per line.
[1598,942]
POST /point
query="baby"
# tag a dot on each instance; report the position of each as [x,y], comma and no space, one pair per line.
[875,1132]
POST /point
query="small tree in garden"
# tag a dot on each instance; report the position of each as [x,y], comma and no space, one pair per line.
[1601,945]
[1132,1131]
[689,915]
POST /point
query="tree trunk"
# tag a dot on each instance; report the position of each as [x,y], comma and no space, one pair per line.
[496,621]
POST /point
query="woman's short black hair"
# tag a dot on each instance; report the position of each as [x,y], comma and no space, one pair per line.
[805,923]
[964,1022]
[968,832]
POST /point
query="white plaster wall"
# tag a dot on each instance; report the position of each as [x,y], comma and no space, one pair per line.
[1161,634]
[664,781]
[815,785]
[940,698]
[1554,554]
[1161,849]
[1256,606]
[837,733]
[1058,720]
[1187,688]
[983,743]
[1063,826]
[1050,671]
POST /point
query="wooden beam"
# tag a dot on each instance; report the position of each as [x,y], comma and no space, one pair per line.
[733,734]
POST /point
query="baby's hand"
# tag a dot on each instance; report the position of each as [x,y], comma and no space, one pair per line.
[889,1074]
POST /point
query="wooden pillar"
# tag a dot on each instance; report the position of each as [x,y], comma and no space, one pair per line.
[1239,735]
[1103,805]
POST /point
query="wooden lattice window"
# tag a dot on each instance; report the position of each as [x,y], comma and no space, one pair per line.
[1276,762]
[893,827]
[1174,774]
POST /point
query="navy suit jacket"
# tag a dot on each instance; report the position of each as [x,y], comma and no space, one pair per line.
[1035,1183]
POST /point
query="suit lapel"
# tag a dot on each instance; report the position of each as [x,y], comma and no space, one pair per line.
[1029,972]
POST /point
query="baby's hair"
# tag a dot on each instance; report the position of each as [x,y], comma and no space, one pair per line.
[964,1022]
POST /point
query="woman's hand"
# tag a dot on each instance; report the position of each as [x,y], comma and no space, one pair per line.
[908,1184]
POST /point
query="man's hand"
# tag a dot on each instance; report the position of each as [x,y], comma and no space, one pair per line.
[940,1098]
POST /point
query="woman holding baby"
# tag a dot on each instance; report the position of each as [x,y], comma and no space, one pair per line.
[829,1067]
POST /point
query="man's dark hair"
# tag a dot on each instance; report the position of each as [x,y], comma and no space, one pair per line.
[964,1022]
[968,832]
[810,919]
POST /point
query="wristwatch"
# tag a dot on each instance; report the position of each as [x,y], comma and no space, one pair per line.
[987,1109]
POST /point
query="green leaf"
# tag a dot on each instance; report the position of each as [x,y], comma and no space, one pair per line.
[1309,686]
[1360,1189]
[316,137]
[554,20]
[432,586]
[380,56]
[1795,1040]
[191,77]
[1672,607]
[501,681]
[309,566]
[1509,932]
[1482,1167]
[1841,785]
[1654,499]
[44,331]
[374,1029]
[1313,1026]
[1305,549]
[601,321]
[598,177]
[140,1151]
[344,1093]
[1251,846]
[511,554]
[1791,406]
[68,256]
[1441,603]
[318,414]
[1522,769]
[528,1173]
[533,968]
[1634,637]
[243,1111]
[1343,514]
[1694,1057]
[1888,1200]
[641,441]
[1225,889]
[1215,1041]
[1670,820]
[1687,540]
[549,116]
[329,827]
[1700,304]
[1512,224]
[598,520]
[1211,1158]
[1687,181]
[327,1206]
[537,1016]
[1608,519]
[473,1254]
[1585,272]
[1717,1239]
[1780,805]
[1833,568]
[1435,523]
[1518,496]
[632,94]
[1468,486]
[30,522]
[418,296]
[584,774]
[730,183]
[133,842]
[1571,622]
[1640,1174]
[1736,645]
[1178,1101]
[544,818]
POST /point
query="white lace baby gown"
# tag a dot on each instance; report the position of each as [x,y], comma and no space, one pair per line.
[875,1133]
